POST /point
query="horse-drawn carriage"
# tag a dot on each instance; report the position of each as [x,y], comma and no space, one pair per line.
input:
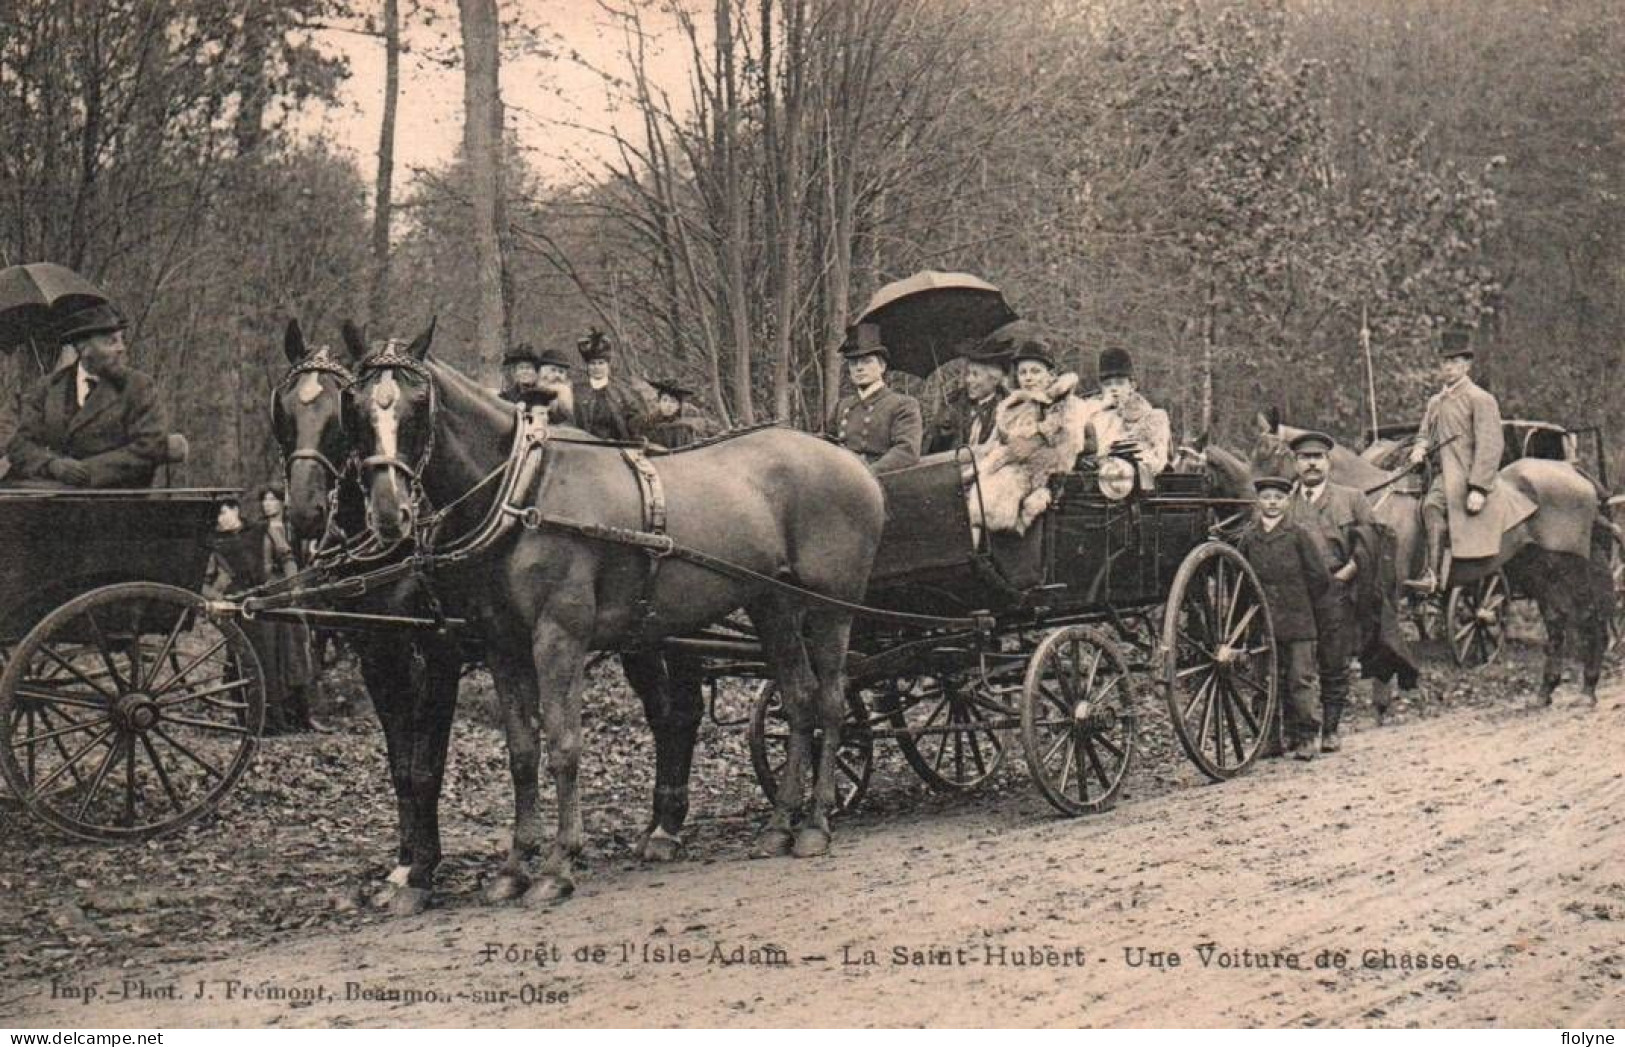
[126,711]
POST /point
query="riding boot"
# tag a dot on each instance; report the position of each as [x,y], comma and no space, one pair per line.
[1432,579]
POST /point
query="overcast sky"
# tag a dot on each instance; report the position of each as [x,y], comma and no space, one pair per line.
[555,104]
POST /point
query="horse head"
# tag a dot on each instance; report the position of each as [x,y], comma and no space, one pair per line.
[307,421]
[1272,455]
[390,415]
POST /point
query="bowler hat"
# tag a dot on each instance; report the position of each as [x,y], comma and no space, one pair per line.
[1456,341]
[863,340]
[1272,483]
[554,357]
[670,387]
[1115,363]
[101,318]
[1311,441]
[523,353]
[594,345]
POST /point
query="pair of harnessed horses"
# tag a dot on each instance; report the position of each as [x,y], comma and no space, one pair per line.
[553,559]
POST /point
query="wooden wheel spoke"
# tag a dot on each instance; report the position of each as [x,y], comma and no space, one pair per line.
[208,768]
[72,761]
[168,645]
[1233,704]
[33,738]
[1095,762]
[56,743]
[207,693]
[180,675]
[207,725]
[100,776]
[1200,692]
[1241,627]
[1241,706]
[1060,739]
[73,671]
[104,650]
[1080,754]
[1110,745]
[129,780]
[163,775]
[1071,757]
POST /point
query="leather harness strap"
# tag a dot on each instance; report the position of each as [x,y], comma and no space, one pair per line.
[652,495]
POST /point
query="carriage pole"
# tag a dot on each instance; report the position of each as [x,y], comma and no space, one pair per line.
[1370,372]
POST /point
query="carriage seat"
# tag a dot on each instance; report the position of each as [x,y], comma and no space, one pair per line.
[177,451]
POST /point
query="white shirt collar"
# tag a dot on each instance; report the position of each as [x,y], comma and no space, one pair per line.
[1313,493]
[83,380]
[1270,523]
[871,392]
[599,383]
[1453,386]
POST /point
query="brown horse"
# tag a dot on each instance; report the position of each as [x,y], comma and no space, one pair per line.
[1558,555]
[784,505]
[411,678]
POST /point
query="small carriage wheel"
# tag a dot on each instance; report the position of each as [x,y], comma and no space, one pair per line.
[150,707]
[1475,620]
[1219,661]
[1078,722]
[770,747]
[951,729]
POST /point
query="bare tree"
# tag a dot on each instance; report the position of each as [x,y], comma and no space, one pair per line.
[482,144]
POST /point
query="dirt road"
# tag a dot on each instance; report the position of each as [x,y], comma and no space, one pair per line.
[1488,845]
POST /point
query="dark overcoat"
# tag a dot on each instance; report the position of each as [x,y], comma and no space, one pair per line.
[120,435]
[885,430]
[1293,575]
[610,413]
[952,427]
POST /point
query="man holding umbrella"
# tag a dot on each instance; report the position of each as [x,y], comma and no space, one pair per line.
[97,423]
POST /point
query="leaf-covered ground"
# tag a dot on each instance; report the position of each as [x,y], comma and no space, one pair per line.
[305,836]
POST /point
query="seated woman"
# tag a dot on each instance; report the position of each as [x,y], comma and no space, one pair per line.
[1128,425]
[1040,433]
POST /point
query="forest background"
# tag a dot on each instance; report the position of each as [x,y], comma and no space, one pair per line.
[1243,193]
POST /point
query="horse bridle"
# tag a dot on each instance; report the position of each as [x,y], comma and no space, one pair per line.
[392,356]
[317,362]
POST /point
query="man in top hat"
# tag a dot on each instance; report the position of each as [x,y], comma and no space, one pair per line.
[1463,424]
[1129,425]
[673,424]
[603,407]
[1336,518]
[880,424]
[966,419]
[96,423]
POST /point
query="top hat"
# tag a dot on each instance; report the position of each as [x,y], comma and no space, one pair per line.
[863,340]
[1115,363]
[523,353]
[1456,341]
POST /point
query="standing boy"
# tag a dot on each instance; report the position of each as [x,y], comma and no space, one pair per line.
[1295,581]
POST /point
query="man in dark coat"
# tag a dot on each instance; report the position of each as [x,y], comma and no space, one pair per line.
[97,423]
[967,417]
[1337,518]
[879,424]
[1295,581]
[603,406]
[539,380]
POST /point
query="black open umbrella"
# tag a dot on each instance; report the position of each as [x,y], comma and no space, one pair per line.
[35,298]
[930,318]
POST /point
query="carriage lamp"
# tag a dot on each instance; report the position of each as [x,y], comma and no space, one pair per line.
[1116,479]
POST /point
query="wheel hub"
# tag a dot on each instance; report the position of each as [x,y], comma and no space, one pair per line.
[136,712]
[1486,615]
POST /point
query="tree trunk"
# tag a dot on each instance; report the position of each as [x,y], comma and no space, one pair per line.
[378,297]
[482,144]
[736,231]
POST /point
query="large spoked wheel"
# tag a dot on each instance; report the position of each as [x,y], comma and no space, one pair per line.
[770,747]
[128,712]
[1078,723]
[1219,671]
[952,729]
[1475,620]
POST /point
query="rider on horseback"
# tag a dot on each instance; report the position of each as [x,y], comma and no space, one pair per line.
[1463,424]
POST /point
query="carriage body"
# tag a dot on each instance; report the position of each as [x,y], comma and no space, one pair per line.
[126,708]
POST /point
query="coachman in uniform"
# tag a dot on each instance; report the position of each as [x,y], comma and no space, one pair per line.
[97,423]
[1336,518]
[880,424]
[1463,423]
